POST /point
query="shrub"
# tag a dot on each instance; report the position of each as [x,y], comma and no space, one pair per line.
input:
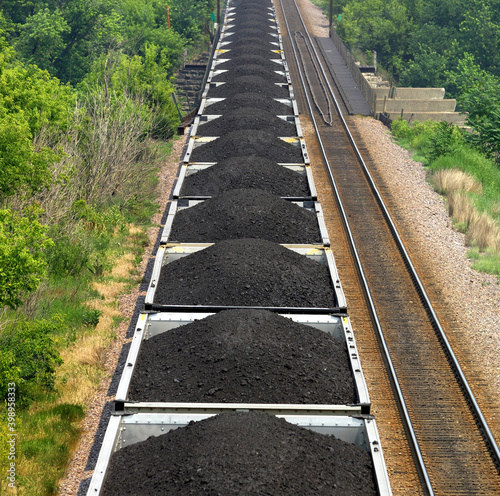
[446,138]
[69,255]
[416,137]
[31,347]
[22,263]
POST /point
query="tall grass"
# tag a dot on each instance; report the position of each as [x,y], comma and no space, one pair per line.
[448,181]
[482,169]
[91,265]
[469,180]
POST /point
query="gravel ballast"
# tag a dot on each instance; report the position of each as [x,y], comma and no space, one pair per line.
[248,142]
[246,172]
[243,356]
[245,272]
[241,453]
[246,213]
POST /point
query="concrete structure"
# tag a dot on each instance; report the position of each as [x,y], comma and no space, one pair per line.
[412,104]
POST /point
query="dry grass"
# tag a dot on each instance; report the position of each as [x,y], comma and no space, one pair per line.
[84,361]
[123,267]
[447,181]
[481,230]
[484,233]
[461,209]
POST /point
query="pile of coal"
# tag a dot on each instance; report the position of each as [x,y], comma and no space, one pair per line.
[246,172]
[261,61]
[268,74]
[241,453]
[251,32]
[246,272]
[247,118]
[248,142]
[249,83]
[246,213]
[248,99]
[244,356]
[251,46]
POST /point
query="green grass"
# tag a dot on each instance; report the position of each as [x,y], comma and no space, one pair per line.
[485,262]
[48,437]
[423,140]
[416,138]
[481,168]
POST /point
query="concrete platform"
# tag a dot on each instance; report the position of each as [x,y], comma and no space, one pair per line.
[410,93]
[427,105]
[351,93]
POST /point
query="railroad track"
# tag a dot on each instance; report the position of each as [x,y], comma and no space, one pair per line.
[230,261]
[431,388]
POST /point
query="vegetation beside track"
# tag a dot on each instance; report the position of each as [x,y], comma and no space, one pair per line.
[86,118]
[468,179]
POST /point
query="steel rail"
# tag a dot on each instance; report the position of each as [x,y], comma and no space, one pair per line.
[328,122]
[469,395]
[364,283]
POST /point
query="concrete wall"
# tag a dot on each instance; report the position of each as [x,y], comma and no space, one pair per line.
[412,103]
[407,105]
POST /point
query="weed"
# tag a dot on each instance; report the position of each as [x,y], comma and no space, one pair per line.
[469,179]
[448,181]
[487,261]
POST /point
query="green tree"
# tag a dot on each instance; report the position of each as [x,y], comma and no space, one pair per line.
[478,94]
[141,77]
[188,17]
[42,100]
[22,262]
[380,25]
[42,38]
[480,33]
[146,25]
[468,78]
[22,168]
[30,101]
[425,70]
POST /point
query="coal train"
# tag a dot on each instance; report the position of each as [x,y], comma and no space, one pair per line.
[243,375]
